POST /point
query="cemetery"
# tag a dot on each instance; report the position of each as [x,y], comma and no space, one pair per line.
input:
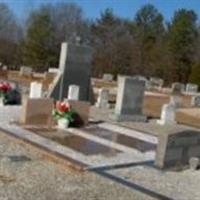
[99,100]
[93,125]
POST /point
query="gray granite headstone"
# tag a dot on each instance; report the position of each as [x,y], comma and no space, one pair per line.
[196,101]
[103,98]
[191,88]
[176,148]
[130,97]
[27,71]
[75,69]
[108,77]
[178,88]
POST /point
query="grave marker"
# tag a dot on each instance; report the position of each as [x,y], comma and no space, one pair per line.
[102,101]
[37,112]
[73,92]
[191,88]
[108,77]
[130,97]
[196,101]
[25,71]
[178,88]
[176,148]
[35,90]
[168,115]
[75,69]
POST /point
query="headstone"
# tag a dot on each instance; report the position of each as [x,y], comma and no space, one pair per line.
[108,77]
[140,78]
[73,92]
[168,115]
[194,163]
[129,102]
[75,69]
[103,98]
[4,68]
[37,112]
[157,82]
[176,100]
[176,148]
[3,74]
[82,108]
[191,88]
[25,71]
[196,101]
[154,84]
[53,70]
[178,88]
[35,90]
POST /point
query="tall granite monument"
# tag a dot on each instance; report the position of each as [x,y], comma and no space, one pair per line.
[74,69]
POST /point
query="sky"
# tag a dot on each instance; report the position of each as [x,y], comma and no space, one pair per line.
[123,8]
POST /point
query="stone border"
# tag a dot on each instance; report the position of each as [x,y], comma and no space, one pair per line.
[130,132]
[76,159]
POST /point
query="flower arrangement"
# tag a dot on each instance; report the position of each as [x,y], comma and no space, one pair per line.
[4,88]
[63,114]
[9,95]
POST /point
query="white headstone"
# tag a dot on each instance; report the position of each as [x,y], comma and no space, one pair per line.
[35,90]
[168,115]
[73,92]
[53,70]
[103,98]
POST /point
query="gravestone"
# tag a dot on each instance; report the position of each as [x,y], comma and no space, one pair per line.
[25,71]
[53,70]
[73,92]
[5,68]
[37,112]
[75,69]
[168,115]
[102,101]
[82,108]
[176,100]
[129,102]
[177,88]
[196,101]
[154,84]
[191,88]
[108,77]
[175,149]
[35,90]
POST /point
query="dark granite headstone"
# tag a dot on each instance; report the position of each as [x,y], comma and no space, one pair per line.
[75,69]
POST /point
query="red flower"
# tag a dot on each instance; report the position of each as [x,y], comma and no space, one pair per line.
[4,87]
[62,107]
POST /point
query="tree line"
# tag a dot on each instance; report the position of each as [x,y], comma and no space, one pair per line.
[144,45]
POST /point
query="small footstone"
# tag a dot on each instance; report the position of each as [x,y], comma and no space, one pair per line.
[194,163]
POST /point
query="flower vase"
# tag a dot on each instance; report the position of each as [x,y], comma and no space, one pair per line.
[63,123]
